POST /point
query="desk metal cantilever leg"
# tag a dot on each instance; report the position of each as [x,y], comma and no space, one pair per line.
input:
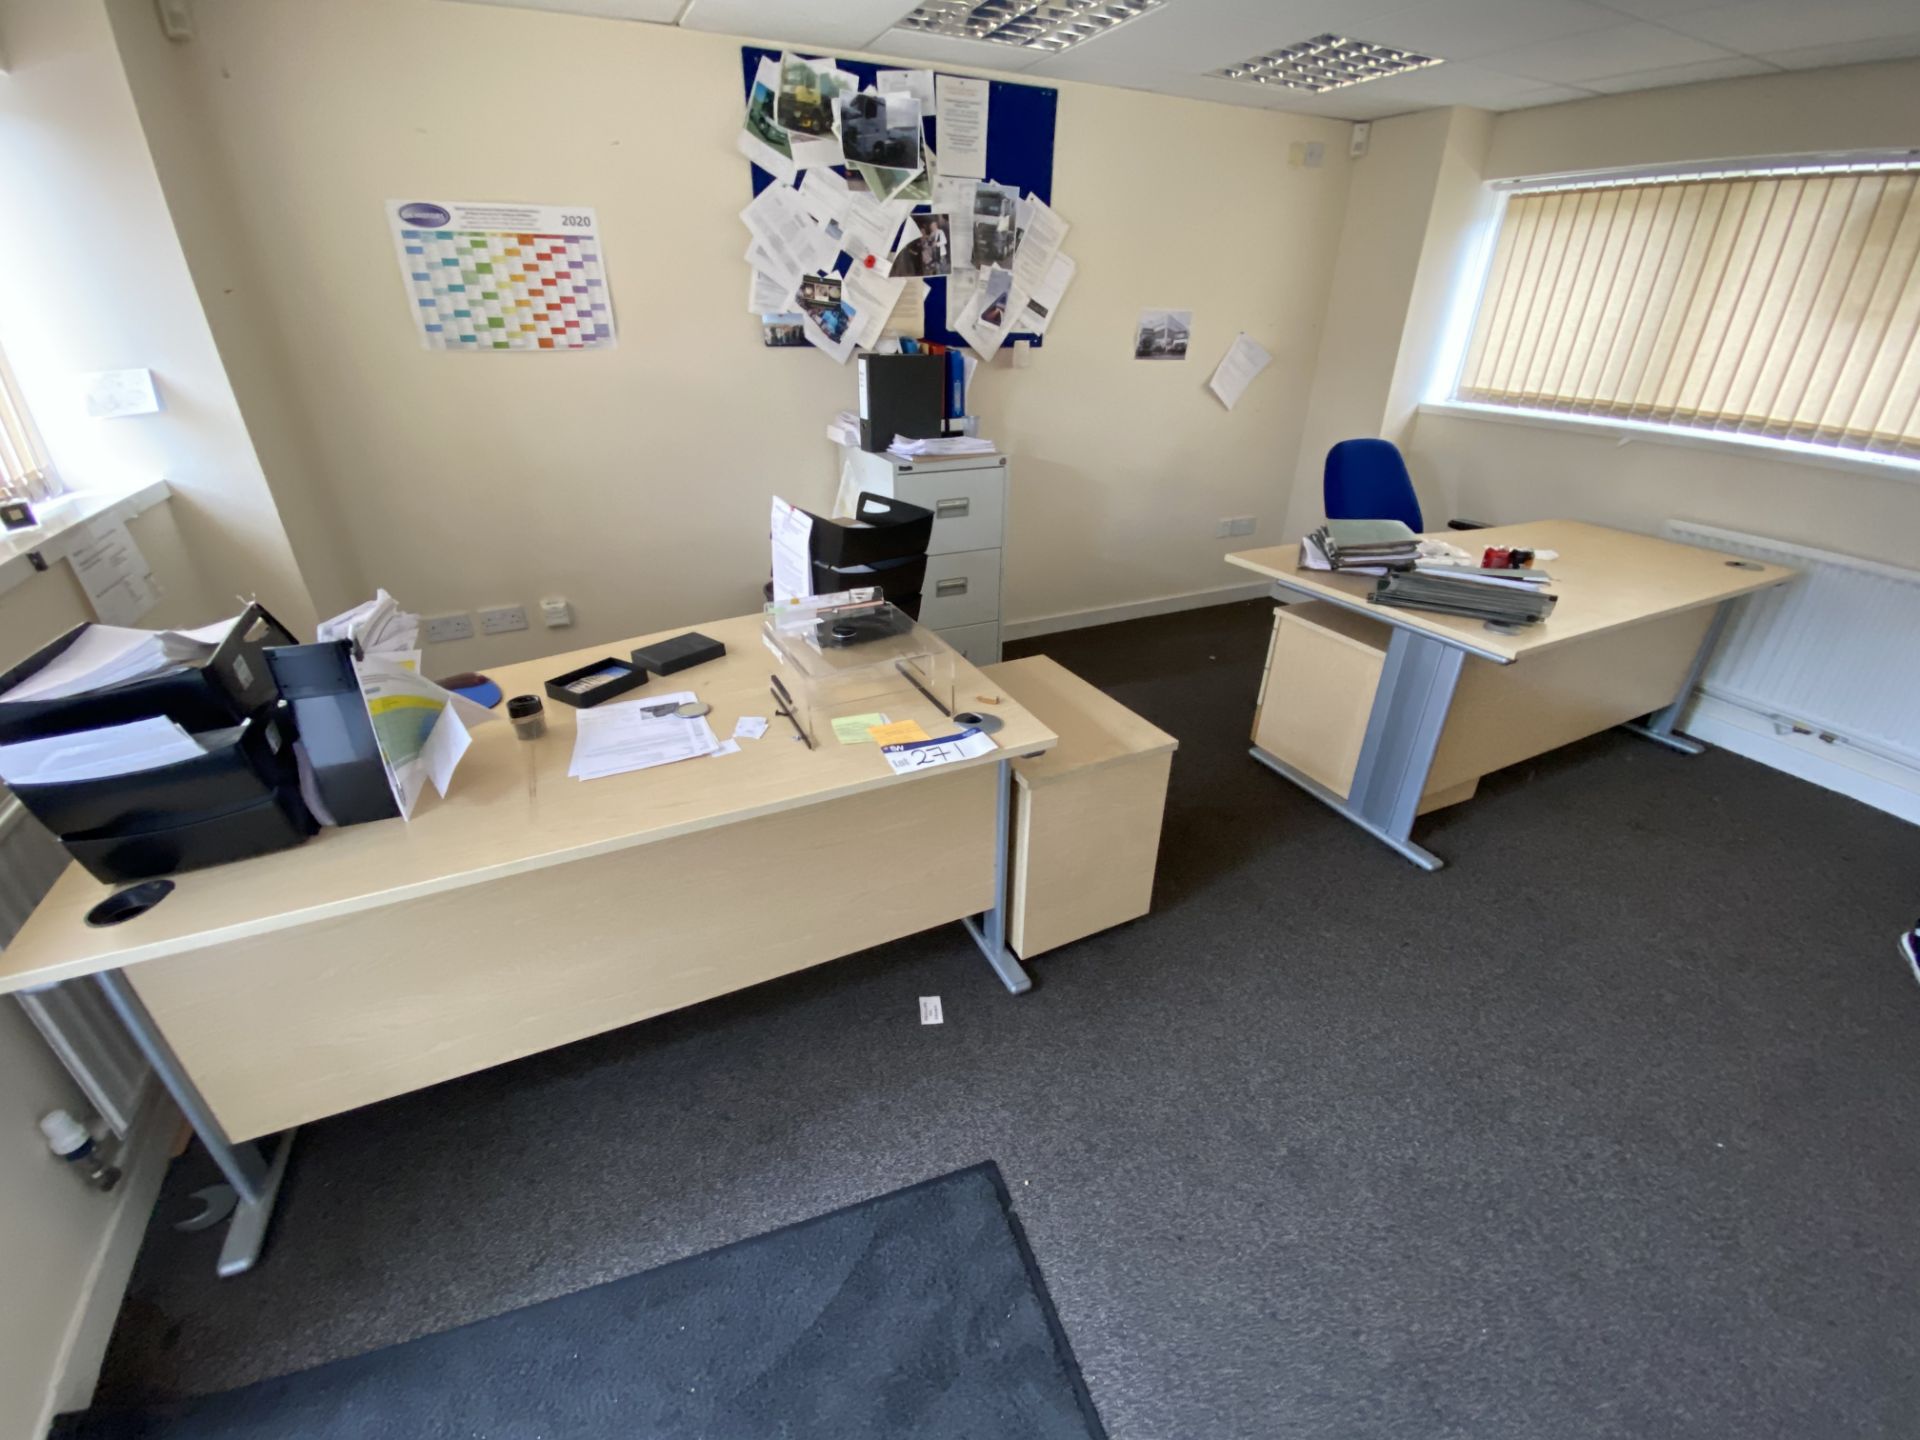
[989,931]
[1658,726]
[255,1178]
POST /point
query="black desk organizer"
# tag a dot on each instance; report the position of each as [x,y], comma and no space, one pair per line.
[241,798]
[330,717]
[885,546]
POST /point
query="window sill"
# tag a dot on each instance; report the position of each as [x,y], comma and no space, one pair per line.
[1753,447]
[63,525]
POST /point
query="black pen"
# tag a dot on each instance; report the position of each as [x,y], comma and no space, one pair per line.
[785,707]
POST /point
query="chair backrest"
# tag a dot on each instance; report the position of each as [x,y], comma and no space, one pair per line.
[1368,480]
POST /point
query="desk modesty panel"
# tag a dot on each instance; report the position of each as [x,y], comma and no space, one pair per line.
[489,827]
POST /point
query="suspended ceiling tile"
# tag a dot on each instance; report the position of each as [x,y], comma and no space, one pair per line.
[1732,68]
[1766,27]
[1616,50]
[1468,29]
[658,12]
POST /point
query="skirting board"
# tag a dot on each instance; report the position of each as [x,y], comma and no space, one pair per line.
[143,1166]
[1870,779]
[1136,610]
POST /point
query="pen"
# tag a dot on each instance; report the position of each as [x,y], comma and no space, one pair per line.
[784,706]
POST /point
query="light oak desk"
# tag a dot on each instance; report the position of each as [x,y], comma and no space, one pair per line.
[1636,621]
[527,909]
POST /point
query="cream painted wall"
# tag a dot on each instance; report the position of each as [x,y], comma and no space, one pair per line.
[636,482]
[1851,107]
[93,279]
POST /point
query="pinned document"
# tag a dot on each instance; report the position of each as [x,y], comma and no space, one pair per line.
[1237,368]
[118,581]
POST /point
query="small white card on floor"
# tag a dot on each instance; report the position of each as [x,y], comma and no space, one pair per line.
[930,1010]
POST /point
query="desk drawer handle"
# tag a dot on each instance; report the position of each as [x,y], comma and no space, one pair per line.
[951,587]
[952,509]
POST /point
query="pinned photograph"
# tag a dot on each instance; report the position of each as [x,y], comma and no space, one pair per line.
[881,130]
[996,292]
[1162,335]
[763,139]
[820,297]
[994,235]
[782,331]
[928,250]
[804,104]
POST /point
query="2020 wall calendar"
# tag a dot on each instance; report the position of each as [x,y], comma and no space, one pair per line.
[487,276]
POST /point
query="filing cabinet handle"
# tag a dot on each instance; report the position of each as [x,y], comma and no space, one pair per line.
[955,586]
[952,509]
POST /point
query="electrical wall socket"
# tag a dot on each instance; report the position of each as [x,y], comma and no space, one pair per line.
[1223,529]
[1241,525]
[499,619]
[555,610]
[449,627]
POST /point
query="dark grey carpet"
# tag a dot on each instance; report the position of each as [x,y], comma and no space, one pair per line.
[1610,1129]
[914,1313]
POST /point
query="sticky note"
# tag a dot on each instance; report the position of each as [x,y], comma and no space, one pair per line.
[898,733]
[852,729]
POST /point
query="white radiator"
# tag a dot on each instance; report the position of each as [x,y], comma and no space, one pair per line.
[1834,652]
[75,1020]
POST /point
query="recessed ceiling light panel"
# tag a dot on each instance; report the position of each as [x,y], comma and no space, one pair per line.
[1326,62]
[1050,25]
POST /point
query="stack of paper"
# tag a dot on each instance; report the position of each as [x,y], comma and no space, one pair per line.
[380,626]
[613,739]
[1468,593]
[941,445]
[106,655]
[97,754]
[1360,547]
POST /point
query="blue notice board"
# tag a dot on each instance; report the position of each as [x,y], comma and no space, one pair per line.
[1020,121]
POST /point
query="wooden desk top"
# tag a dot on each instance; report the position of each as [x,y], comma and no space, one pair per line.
[1605,579]
[488,826]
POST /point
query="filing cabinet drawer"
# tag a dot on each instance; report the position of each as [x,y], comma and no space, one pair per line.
[962,589]
[979,643]
[969,505]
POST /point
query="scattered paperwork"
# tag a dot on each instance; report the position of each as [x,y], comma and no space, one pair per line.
[615,739]
[925,754]
[1244,360]
[940,445]
[97,754]
[379,627]
[118,581]
[104,655]
[852,729]
[750,727]
[421,728]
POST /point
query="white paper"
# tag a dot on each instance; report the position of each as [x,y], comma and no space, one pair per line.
[990,312]
[941,750]
[749,727]
[446,743]
[547,255]
[379,625]
[824,193]
[917,83]
[909,317]
[1244,360]
[1044,300]
[783,229]
[930,1011]
[792,530]
[767,296]
[111,394]
[406,711]
[103,655]
[97,754]
[961,122]
[618,738]
[872,297]
[1040,240]
[871,227]
[114,573]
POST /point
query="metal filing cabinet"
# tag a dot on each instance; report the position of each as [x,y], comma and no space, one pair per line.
[960,600]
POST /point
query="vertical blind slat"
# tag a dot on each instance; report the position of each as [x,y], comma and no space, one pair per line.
[1783,305]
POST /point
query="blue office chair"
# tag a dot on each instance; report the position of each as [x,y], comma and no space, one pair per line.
[1367,480]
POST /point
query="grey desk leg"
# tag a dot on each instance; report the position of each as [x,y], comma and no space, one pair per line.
[1658,726]
[255,1177]
[1403,730]
[989,931]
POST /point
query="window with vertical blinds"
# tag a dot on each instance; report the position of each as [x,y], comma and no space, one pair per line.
[1784,306]
[25,472]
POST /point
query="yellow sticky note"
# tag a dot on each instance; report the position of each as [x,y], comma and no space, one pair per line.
[898,733]
[852,729]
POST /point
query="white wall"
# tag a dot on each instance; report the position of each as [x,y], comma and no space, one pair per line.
[93,279]
[636,481]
